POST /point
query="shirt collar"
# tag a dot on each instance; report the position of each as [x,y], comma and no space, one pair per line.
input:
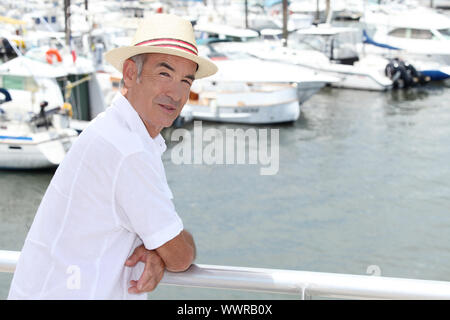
[135,123]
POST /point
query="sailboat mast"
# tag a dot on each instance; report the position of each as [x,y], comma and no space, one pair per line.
[246,14]
[285,22]
[67,21]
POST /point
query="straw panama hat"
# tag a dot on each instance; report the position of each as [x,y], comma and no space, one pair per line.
[163,33]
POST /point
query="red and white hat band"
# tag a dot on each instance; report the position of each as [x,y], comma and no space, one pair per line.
[170,43]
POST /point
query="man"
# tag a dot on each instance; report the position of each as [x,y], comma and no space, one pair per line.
[106,227]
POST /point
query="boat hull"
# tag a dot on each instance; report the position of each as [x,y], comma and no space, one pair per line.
[26,154]
[286,112]
[306,89]
[257,107]
[360,82]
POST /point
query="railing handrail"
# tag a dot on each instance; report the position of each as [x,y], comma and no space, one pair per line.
[302,283]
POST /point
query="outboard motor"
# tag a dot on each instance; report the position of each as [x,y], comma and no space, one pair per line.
[41,119]
[418,77]
[44,117]
[403,74]
[396,71]
[42,114]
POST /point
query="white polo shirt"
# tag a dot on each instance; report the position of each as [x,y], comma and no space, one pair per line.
[107,197]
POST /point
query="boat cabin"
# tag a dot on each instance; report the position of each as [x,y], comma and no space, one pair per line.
[339,44]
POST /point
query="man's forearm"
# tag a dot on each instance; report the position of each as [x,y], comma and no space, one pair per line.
[190,240]
[179,253]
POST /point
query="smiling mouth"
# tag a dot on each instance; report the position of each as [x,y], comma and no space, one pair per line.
[167,107]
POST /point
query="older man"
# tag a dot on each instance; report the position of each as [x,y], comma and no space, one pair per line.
[106,227]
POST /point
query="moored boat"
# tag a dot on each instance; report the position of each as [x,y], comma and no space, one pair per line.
[242,102]
[249,90]
[32,144]
[34,120]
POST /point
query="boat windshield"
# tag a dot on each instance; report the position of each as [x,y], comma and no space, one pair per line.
[445,33]
[226,50]
[307,42]
[18,83]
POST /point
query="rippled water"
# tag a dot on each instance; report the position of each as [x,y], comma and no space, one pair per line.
[363,180]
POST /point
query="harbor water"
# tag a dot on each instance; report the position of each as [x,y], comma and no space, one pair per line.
[363,187]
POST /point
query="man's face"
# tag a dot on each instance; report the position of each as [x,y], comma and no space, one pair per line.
[162,91]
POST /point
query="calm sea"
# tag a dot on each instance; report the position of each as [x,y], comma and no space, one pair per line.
[363,180]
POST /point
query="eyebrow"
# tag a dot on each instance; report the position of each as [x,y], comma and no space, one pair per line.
[166,65]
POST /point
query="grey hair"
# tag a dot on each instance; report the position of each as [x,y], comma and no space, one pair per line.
[139,60]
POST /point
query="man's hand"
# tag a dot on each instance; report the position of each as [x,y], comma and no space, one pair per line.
[153,270]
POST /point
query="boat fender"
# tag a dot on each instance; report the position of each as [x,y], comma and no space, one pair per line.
[6,94]
[67,107]
[53,52]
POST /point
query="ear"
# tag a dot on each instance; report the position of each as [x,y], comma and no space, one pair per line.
[129,73]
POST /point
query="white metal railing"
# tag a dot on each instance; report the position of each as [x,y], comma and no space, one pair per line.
[303,283]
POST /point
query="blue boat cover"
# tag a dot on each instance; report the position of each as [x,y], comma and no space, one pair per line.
[369,40]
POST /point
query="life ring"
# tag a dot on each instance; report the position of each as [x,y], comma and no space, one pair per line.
[53,52]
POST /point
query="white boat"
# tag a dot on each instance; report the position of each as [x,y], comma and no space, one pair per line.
[243,102]
[337,55]
[93,90]
[80,79]
[30,144]
[419,33]
[422,68]
[249,90]
[359,66]
[34,127]
[221,41]
[345,66]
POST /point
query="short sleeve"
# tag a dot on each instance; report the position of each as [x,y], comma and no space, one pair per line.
[143,200]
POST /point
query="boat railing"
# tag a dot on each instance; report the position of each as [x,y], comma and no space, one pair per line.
[304,284]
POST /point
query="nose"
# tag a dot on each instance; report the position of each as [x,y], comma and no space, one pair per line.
[176,91]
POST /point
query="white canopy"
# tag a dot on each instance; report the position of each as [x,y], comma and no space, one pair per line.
[225,30]
[27,67]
